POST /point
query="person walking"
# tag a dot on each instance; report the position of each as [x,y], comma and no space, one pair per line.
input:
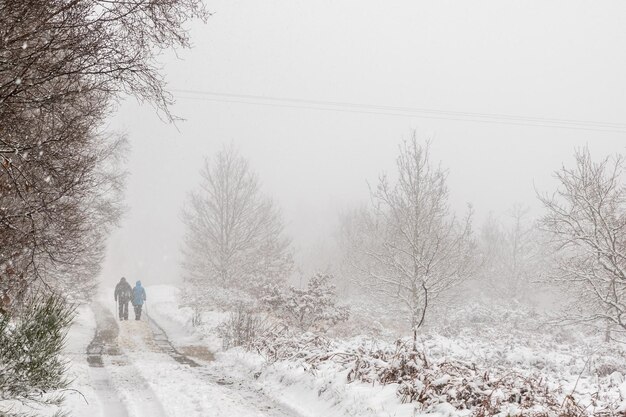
[139,297]
[122,295]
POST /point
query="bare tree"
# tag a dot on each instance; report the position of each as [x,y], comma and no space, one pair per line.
[58,202]
[513,255]
[234,234]
[586,218]
[52,51]
[62,66]
[409,247]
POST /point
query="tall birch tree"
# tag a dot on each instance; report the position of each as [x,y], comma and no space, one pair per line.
[410,247]
[586,218]
[234,239]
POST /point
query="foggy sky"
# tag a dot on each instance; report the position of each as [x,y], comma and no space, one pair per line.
[554,59]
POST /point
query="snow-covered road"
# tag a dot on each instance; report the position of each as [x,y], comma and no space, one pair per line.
[135,370]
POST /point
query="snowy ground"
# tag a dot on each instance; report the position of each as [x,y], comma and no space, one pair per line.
[133,369]
[165,367]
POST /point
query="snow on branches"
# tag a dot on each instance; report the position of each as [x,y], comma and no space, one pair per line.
[234,240]
[314,307]
[586,219]
[30,344]
[409,247]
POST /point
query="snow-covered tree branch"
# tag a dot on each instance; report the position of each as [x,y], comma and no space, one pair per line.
[234,234]
[410,247]
[586,218]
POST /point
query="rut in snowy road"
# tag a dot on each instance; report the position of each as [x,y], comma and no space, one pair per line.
[138,371]
[163,342]
[113,375]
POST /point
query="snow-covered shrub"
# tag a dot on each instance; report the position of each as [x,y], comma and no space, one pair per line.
[245,328]
[607,368]
[30,344]
[314,307]
[566,335]
[282,345]
[432,381]
[362,325]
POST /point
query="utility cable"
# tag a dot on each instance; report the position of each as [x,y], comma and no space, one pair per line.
[401,111]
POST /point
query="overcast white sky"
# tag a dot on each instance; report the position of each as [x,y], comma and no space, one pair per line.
[549,59]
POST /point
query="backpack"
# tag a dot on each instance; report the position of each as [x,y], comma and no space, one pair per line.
[124,292]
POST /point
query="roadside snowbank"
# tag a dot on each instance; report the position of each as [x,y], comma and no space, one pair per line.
[82,399]
[513,372]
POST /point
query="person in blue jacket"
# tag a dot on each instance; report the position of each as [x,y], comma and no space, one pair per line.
[139,296]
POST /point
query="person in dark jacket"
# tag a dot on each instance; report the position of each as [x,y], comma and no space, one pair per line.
[122,295]
[139,296]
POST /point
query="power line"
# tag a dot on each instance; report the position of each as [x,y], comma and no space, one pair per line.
[402,111]
[404,115]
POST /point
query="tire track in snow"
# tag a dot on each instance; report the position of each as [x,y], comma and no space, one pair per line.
[104,343]
[120,388]
[142,356]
